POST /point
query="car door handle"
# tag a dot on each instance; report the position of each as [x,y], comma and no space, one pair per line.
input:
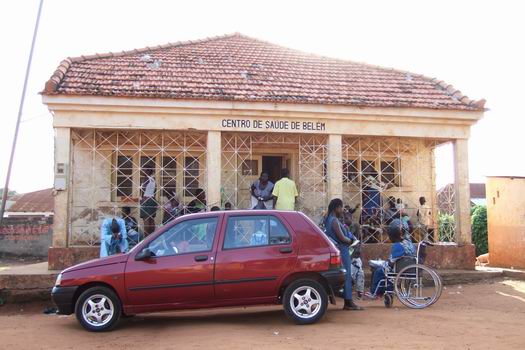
[201,257]
[286,250]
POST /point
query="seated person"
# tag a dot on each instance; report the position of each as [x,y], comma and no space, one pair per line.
[113,237]
[391,213]
[172,209]
[401,247]
[132,227]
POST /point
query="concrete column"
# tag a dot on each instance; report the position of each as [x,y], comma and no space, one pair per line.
[462,192]
[334,166]
[213,169]
[62,175]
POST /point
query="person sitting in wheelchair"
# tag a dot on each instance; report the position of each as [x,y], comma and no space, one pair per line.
[402,247]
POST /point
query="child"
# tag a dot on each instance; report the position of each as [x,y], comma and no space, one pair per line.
[358,274]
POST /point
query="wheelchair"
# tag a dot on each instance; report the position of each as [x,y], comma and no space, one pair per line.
[415,285]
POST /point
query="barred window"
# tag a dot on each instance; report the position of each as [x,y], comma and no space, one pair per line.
[124,180]
[168,176]
[191,175]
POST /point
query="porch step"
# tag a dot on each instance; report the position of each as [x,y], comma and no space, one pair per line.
[26,283]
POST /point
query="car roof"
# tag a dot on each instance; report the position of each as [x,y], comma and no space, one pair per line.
[242,212]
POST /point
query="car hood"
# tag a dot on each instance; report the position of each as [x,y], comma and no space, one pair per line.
[109,260]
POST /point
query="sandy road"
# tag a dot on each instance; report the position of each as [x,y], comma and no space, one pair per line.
[481,316]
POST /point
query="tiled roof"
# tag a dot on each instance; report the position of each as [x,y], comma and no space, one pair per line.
[477,190]
[38,201]
[239,68]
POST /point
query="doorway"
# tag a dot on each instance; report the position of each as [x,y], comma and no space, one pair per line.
[272,165]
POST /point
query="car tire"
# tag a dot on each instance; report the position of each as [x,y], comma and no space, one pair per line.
[98,309]
[305,301]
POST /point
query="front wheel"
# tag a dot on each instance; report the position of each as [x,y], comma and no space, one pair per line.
[305,301]
[98,309]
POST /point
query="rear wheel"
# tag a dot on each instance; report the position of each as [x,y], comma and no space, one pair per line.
[305,301]
[418,286]
[98,309]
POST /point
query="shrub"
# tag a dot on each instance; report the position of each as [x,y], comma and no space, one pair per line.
[479,229]
[446,227]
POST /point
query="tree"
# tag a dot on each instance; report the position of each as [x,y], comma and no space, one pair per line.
[10,193]
[479,229]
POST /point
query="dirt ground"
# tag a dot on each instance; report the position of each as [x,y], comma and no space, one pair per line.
[480,316]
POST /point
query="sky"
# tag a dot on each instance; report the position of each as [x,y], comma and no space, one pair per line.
[477,46]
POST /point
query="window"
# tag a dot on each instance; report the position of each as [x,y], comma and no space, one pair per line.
[278,233]
[124,184]
[189,236]
[191,175]
[168,176]
[390,172]
[253,231]
[350,170]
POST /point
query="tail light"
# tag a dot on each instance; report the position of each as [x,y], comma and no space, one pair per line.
[335,260]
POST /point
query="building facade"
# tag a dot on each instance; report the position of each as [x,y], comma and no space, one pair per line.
[506,221]
[212,114]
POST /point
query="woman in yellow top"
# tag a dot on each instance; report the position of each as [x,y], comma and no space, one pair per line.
[284,192]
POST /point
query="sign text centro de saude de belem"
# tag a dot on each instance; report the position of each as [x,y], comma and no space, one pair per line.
[286,125]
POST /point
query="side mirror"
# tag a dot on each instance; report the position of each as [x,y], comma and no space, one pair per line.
[145,254]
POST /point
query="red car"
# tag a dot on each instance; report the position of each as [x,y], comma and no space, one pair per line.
[207,260]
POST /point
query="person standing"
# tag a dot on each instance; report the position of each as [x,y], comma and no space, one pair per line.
[284,192]
[261,191]
[113,237]
[148,204]
[336,232]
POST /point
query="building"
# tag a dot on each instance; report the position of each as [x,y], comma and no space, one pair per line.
[211,114]
[506,221]
[31,204]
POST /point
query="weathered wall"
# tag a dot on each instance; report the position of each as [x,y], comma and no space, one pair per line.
[26,236]
[449,256]
[506,221]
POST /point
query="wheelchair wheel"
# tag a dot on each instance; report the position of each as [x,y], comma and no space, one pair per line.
[417,286]
[388,299]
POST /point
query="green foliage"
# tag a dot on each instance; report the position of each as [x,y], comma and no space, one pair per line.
[10,193]
[446,227]
[479,229]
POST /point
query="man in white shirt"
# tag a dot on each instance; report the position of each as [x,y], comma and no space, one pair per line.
[148,204]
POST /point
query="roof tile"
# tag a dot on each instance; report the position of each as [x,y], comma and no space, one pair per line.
[240,68]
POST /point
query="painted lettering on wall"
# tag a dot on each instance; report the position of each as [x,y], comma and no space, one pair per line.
[24,231]
[285,125]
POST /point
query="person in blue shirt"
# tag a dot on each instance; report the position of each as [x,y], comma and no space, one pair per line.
[113,237]
[343,239]
[401,247]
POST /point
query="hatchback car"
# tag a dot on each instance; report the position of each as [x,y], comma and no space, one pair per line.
[208,260]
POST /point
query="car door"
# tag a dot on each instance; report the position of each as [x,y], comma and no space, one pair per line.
[256,253]
[181,268]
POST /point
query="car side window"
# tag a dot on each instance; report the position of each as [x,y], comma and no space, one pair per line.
[190,236]
[253,231]
[278,233]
